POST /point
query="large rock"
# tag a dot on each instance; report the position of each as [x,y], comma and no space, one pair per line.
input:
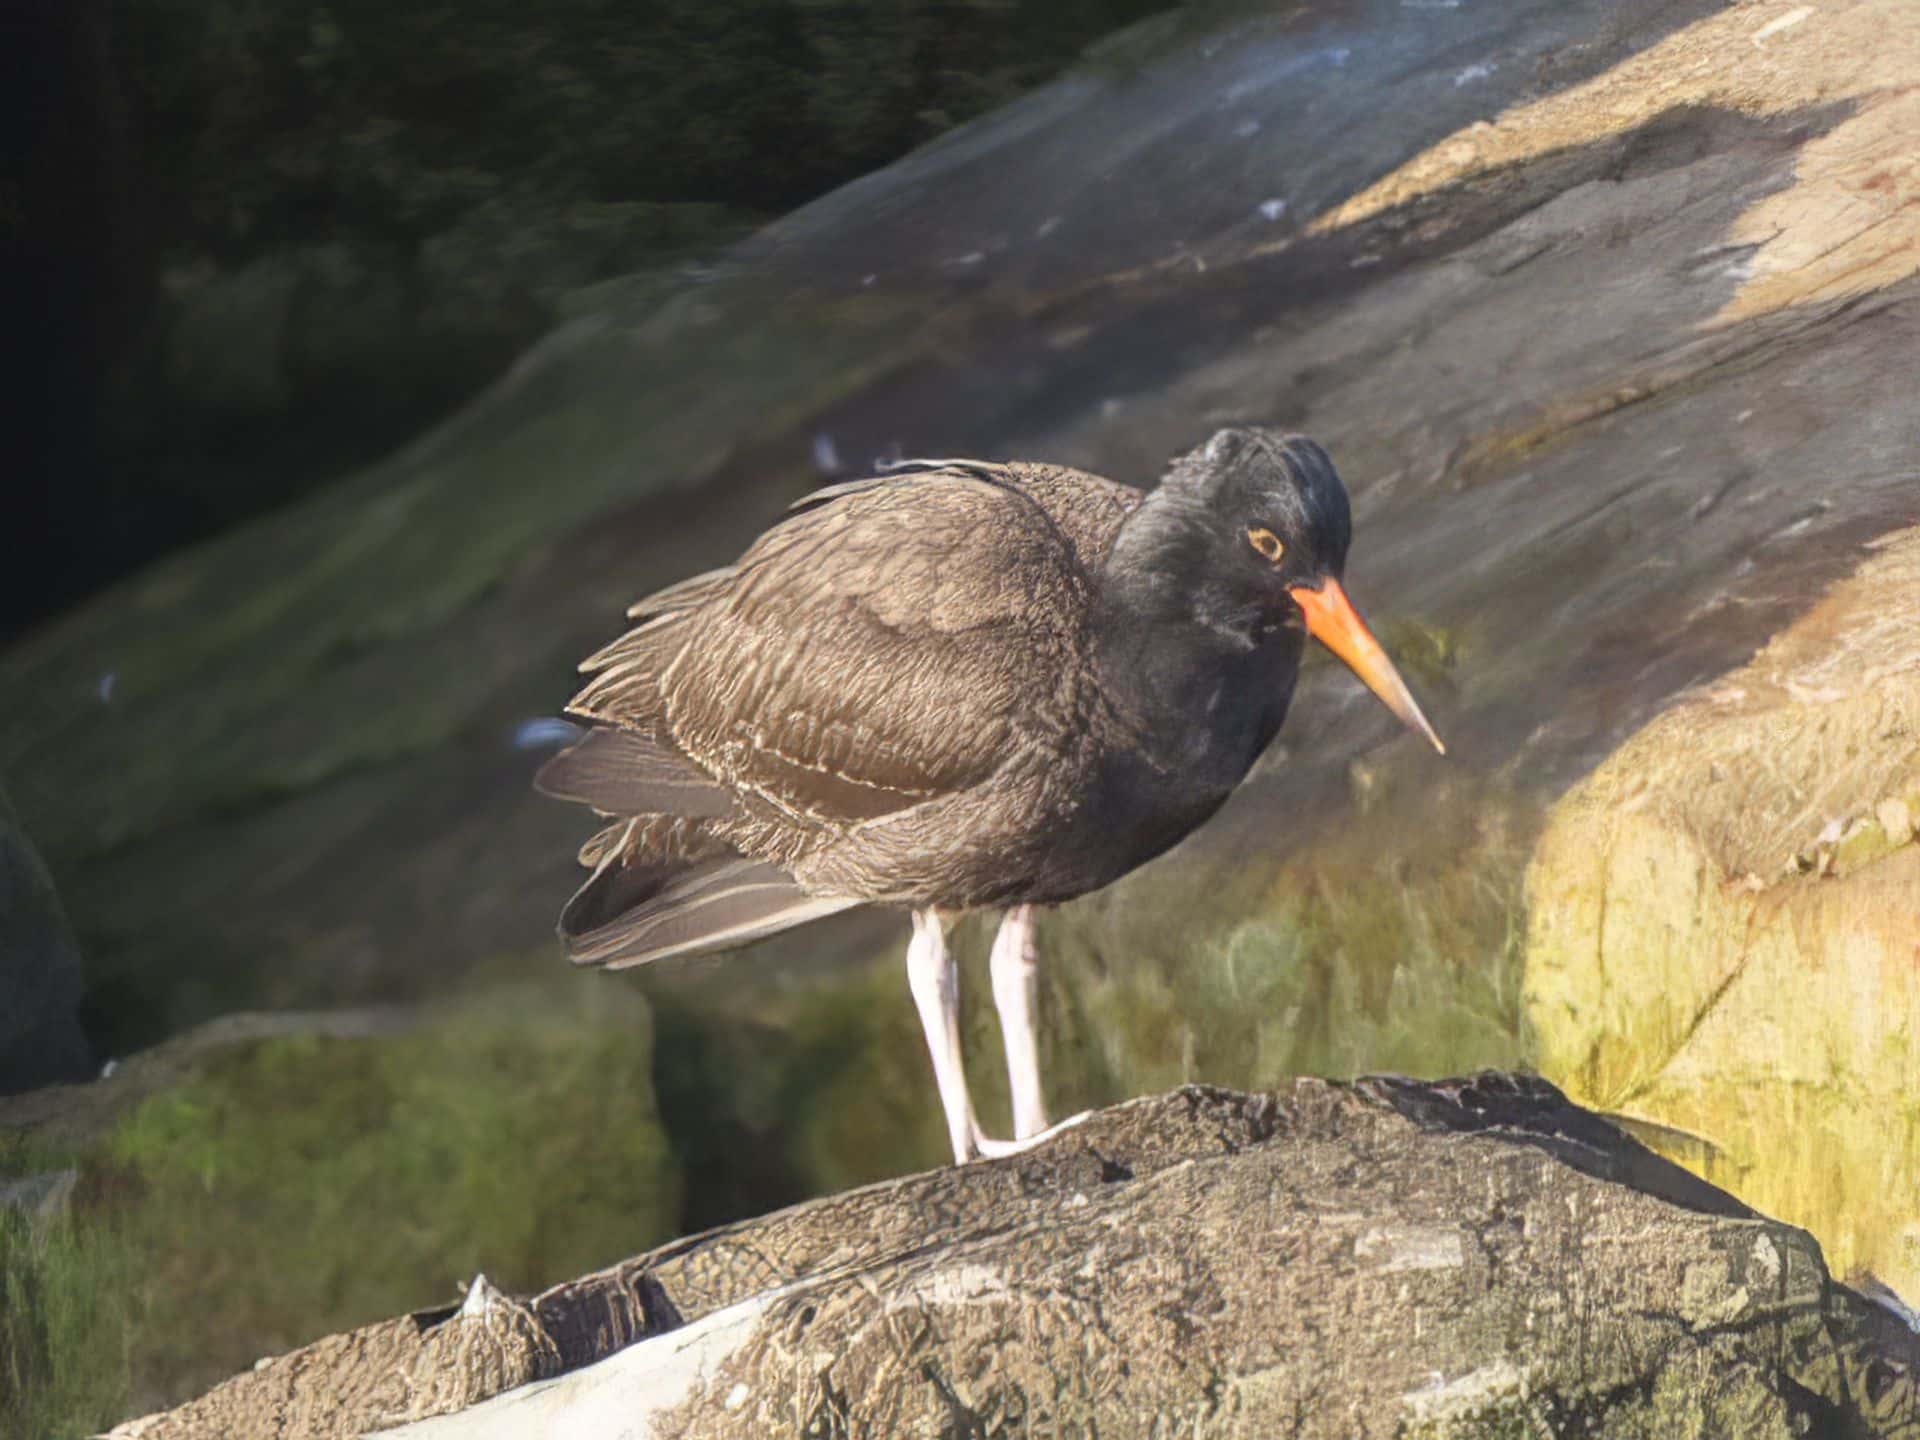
[40,1037]
[265,1179]
[1389,1259]
[340,686]
[1725,924]
[1608,316]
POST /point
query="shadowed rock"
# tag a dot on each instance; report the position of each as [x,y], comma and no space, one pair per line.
[1386,1258]
[40,1039]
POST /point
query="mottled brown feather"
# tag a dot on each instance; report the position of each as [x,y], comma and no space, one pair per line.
[890,645]
[876,653]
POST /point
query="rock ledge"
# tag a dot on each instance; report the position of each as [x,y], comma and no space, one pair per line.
[1390,1257]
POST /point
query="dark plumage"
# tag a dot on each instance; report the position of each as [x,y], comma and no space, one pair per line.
[955,685]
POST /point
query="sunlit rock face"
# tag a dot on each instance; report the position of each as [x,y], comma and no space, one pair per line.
[1725,924]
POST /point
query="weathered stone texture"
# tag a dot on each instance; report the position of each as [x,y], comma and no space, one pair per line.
[1392,1258]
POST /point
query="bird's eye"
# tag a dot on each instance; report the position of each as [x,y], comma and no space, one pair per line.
[1266,542]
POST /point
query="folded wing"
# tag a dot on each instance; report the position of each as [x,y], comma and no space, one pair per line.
[889,645]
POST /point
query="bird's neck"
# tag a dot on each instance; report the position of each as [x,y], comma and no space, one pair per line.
[1205,686]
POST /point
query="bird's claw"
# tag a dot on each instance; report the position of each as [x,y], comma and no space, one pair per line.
[985,1147]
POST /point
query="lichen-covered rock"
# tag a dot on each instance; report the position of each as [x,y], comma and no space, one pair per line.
[1725,923]
[40,1037]
[1463,1258]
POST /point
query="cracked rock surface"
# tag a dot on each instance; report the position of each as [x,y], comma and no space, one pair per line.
[1387,1258]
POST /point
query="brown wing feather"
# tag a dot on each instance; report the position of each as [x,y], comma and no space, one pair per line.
[1088,508]
[619,772]
[892,642]
[696,590]
[881,650]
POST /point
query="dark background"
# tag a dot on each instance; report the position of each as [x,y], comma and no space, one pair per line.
[250,247]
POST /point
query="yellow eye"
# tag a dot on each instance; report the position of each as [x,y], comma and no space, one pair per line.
[1267,543]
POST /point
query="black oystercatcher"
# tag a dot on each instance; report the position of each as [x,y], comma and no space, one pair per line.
[955,685]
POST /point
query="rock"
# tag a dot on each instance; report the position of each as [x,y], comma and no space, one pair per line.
[77,1115]
[1390,1258]
[1724,930]
[427,1364]
[1567,312]
[1896,820]
[291,236]
[40,1037]
[1502,466]
[266,1179]
[40,1197]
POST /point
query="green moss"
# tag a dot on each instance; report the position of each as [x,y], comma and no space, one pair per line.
[64,1315]
[64,1309]
[303,1185]
[1376,953]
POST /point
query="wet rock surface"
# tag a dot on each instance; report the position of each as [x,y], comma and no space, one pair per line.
[1388,1258]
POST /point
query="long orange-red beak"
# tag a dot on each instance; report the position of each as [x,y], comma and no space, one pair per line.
[1332,620]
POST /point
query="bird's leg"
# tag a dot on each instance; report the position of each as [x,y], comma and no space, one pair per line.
[935,980]
[1016,986]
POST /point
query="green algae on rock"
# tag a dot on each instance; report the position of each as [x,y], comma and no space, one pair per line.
[276,1188]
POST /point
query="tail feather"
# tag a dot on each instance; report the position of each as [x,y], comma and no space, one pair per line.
[619,772]
[628,914]
[686,595]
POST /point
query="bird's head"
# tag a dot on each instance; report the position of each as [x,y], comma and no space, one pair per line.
[1263,524]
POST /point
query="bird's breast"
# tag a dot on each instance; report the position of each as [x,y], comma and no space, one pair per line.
[1167,762]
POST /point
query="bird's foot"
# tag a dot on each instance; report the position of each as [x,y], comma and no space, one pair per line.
[985,1147]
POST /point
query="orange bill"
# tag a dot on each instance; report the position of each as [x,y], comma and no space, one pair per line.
[1333,621]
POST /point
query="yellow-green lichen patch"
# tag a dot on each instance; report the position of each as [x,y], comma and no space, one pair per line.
[1367,949]
[1722,927]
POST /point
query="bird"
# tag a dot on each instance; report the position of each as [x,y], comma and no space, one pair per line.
[951,686]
